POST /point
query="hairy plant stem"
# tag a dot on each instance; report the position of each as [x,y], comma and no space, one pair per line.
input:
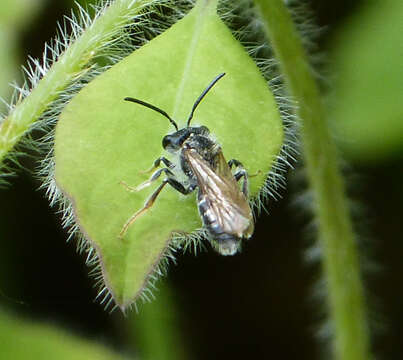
[336,236]
[71,64]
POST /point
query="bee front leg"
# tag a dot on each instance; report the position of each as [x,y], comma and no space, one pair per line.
[157,163]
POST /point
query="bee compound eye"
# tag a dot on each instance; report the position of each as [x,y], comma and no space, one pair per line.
[172,143]
[166,141]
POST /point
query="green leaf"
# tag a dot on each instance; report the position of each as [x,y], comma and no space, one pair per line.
[367,107]
[21,339]
[7,63]
[16,13]
[102,140]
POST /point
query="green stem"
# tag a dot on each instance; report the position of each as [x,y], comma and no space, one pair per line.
[155,330]
[336,236]
[68,66]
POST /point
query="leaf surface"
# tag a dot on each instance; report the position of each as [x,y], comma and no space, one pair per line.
[21,340]
[102,140]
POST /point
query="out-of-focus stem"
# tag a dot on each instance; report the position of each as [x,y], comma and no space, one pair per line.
[336,236]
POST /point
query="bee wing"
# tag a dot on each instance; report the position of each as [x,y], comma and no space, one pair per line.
[225,203]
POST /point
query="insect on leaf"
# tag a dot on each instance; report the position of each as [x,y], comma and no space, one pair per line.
[102,140]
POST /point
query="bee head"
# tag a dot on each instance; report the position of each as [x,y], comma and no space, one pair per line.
[173,142]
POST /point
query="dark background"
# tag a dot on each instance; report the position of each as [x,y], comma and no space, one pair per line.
[256,305]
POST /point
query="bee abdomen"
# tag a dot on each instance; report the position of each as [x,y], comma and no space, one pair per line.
[225,243]
[210,221]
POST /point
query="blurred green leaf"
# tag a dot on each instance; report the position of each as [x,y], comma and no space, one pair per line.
[14,14]
[102,140]
[367,105]
[25,340]
[157,328]
[8,62]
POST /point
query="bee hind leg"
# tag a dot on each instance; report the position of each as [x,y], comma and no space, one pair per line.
[148,204]
[238,175]
[235,162]
[241,172]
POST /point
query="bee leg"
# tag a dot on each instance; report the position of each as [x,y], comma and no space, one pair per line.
[127,186]
[180,187]
[150,201]
[148,204]
[153,177]
[239,165]
[235,162]
[238,175]
[157,162]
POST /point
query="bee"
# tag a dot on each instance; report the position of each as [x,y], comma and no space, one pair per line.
[223,204]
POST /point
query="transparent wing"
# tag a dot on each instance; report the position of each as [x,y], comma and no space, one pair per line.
[219,189]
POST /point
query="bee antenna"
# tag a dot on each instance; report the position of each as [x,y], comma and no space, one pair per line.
[203,94]
[162,112]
